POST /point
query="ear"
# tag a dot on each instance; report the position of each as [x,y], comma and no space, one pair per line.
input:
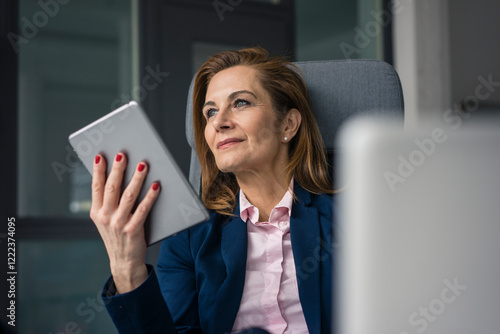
[291,123]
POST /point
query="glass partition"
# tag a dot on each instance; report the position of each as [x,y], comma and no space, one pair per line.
[75,64]
[342,29]
[72,69]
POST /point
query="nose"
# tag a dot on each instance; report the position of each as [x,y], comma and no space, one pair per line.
[223,120]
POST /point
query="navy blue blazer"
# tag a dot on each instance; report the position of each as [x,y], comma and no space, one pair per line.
[201,275]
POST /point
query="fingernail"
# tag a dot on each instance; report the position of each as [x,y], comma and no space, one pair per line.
[97,159]
[156,186]
[141,166]
[118,157]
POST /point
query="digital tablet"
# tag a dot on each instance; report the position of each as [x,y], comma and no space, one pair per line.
[128,130]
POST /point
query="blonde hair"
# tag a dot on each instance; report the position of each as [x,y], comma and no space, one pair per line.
[281,79]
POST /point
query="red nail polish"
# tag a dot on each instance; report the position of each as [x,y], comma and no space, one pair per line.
[118,157]
[156,186]
[141,167]
[97,159]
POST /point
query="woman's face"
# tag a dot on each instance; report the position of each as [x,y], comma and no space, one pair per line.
[242,128]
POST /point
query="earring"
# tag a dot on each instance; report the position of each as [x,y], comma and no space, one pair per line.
[286,138]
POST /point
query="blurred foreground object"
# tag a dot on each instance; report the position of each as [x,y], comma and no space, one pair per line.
[419,228]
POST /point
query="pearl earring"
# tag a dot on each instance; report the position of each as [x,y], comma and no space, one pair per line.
[286,138]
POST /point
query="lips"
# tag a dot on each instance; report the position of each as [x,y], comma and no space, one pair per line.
[228,142]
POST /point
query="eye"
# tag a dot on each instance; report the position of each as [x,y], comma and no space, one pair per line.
[210,112]
[240,103]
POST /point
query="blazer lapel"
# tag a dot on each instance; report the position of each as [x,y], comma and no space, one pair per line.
[234,254]
[305,237]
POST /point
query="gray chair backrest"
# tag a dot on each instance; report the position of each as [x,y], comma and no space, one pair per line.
[338,89]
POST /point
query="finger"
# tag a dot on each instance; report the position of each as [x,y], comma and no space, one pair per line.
[113,185]
[144,207]
[98,180]
[133,189]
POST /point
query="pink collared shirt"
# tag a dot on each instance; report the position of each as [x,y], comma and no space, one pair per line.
[270,297]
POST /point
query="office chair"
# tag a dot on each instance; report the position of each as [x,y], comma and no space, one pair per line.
[338,89]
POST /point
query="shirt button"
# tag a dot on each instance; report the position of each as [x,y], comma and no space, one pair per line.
[283,224]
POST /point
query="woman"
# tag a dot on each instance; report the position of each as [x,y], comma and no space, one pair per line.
[264,178]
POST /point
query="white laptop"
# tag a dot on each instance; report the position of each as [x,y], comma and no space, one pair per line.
[418,229]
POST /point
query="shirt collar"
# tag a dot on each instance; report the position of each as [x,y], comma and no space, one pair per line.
[249,211]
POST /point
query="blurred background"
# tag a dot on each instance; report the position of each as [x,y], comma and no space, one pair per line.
[66,63]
